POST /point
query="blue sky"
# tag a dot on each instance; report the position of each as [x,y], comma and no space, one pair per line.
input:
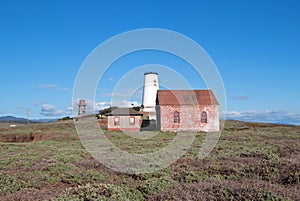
[254,44]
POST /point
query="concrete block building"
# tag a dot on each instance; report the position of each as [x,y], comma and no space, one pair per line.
[124,119]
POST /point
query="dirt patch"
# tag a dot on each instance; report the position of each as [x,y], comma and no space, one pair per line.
[31,137]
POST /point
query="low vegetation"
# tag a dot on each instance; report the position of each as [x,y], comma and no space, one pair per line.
[252,161]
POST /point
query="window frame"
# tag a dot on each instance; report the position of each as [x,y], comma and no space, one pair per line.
[176,117]
[117,123]
[132,124]
[204,114]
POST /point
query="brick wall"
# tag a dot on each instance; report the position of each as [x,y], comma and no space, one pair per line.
[190,118]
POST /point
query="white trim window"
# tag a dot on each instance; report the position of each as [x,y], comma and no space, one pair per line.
[116,121]
[131,121]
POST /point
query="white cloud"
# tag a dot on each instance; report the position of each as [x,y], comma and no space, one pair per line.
[125,94]
[272,116]
[52,86]
[94,107]
[125,103]
[91,106]
[100,106]
[122,95]
[50,110]
[70,108]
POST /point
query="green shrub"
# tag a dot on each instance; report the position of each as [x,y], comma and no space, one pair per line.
[100,192]
[92,175]
[226,193]
[66,173]
[9,184]
[153,186]
[190,176]
[266,170]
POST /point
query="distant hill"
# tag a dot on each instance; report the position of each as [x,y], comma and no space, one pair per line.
[19,120]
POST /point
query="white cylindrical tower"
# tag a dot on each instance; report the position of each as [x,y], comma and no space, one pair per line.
[150,90]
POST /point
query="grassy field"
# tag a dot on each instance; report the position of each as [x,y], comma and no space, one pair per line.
[252,161]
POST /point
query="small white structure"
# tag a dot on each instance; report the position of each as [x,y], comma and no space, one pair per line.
[12,126]
[124,119]
[151,86]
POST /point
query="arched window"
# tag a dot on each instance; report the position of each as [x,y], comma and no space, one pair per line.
[176,117]
[203,117]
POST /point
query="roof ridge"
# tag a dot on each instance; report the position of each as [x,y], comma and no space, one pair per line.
[186,97]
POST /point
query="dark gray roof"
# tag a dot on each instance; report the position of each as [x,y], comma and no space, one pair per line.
[124,112]
[150,73]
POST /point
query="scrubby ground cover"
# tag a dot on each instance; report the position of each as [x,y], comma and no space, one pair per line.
[251,161]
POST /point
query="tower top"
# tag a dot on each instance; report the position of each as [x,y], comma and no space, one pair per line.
[150,73]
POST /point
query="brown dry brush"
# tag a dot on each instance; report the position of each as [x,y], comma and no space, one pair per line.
[246,189]
[251,162]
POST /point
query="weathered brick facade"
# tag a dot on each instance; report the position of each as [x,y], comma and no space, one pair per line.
[189,118]
[196,110]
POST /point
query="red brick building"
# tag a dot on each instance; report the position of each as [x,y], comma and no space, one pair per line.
[187,110]
[124,119]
